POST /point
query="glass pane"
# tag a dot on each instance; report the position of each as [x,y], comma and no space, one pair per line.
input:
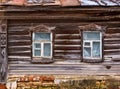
[87,44]
[37,45]
[87,52]
[91,35]
[37,53]
[47,49]
[96,49]
[42,36]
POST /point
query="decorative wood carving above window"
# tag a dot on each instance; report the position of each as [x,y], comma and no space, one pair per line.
[92,42]
[93,27]
[42,43]
[42,28]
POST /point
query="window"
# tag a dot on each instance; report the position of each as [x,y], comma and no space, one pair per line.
[92,44]
[42,44]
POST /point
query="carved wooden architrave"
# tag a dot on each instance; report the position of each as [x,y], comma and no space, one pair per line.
[3,50]
[42,28]
[92,27]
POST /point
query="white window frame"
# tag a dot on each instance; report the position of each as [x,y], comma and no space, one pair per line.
[42,45]
[91,45]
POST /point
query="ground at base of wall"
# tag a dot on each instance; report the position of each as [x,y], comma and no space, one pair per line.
[2,86]
[63,82]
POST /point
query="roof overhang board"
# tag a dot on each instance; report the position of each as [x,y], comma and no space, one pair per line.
[62,2]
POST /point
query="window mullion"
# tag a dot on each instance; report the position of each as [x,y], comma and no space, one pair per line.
[91,48]
[100,44]
[33,36]
[33,49]
[51,48]
[42,49]
[83,47]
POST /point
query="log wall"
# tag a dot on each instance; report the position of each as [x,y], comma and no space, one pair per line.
[67,38]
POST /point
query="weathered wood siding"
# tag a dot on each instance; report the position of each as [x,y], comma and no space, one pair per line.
[112,43]
[67,38]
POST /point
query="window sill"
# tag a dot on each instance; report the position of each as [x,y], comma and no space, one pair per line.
[42,60]
[92,60]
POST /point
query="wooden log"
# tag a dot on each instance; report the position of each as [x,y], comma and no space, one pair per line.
[18,28]
[112,56]
[20,54]
[67,51]
[24,40]
[17,37]
[112,50]
[67,42]
[112,24]
[19,59]
[112,53]
[112,41]
[67,48]
[101,18]
[113,30]
[63,31]
[19,48]
[112,45]
[19,43]
[18,33]
[68,36]
[64,53]
[67,45]
[116,35]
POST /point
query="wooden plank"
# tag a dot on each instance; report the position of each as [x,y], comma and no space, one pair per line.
[61,68]
[24,40]
[19,43]
[112,50]
[67,48]
[19,59]
[101,18]
[63,31]
[67,42]
[81,64]
[64,53]
[85,72]
[17,37]
[18,33]
[19,48]
[112,45]
[112,53]
[20,53]
[113,56]
[88,8]
[67,45]
[69,36]
[115,35]
[67,51]
[67,56]
[112,41]
[18,28]
[113,30]
[27,23]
